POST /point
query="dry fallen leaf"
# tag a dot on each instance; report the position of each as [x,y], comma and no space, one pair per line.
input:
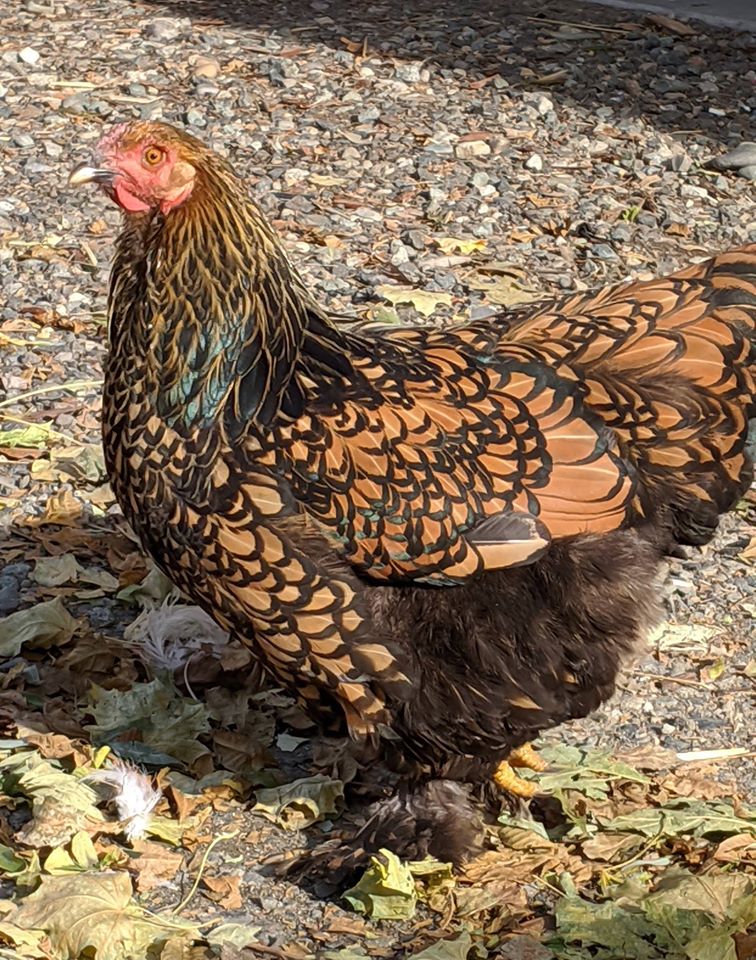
[424,301]
[93,911]
[61,508]
[155,865]
[224,891]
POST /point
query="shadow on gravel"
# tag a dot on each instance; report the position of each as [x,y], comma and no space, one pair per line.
[690,80]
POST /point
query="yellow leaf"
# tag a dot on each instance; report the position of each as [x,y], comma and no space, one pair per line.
[460,245]
[59,862]
[93,912]
[324,181]
[714,672]
[83,851]
[424,301]
[26,941]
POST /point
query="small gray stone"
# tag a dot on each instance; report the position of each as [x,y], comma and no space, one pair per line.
[469,149]
[368,116]
[604,252]
[9,596]
[408,72]
[621,232]
[544,106]
[168,28]
[195,118]
[680,163]
[748,171]
[743,155]
[534,163]
[691,190]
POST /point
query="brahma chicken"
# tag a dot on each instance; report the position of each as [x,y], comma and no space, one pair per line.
[440,540]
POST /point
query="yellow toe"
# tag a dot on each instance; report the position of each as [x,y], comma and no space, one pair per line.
[506,779]
[525,756]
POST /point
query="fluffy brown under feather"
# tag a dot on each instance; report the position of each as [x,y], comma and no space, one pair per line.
[442,541]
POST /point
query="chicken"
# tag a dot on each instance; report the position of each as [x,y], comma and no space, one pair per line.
[442,541]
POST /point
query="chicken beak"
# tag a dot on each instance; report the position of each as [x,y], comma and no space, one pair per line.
[84,173]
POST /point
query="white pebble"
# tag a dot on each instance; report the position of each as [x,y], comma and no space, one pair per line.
[29,55]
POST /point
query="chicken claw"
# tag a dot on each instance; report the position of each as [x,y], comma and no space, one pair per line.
[525,756]
[506,779]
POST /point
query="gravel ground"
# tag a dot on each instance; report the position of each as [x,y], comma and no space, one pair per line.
[572,146]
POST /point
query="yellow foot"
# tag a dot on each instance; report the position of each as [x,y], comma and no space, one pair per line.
[525,756]
[506,779]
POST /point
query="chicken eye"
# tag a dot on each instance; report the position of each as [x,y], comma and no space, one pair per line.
[152,156]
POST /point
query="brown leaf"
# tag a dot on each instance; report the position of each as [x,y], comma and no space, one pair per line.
[224,891]
[691,785]
[649,757]
[61,508]
[183,803]
[54,823]
[238,752]
[155,864]
[606,846]
[53,746]
[674,26]
[745,945]
[749,553]
[524,948]
[740,848]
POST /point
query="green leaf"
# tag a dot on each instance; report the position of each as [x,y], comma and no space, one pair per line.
[713,944]
[682,816]
[29,877]
[434,881]
[168,722]
[386,890]
[456,948]
[83,851]
[300,803]
[53,571]
[28,774]
[623,934]
[576,771]
[37,436]
[10,862]
[522,834]
[712,893]
[42,625]
[151,591]
[170,831]
[59,862]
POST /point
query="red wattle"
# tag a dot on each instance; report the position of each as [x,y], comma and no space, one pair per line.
[127,200]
